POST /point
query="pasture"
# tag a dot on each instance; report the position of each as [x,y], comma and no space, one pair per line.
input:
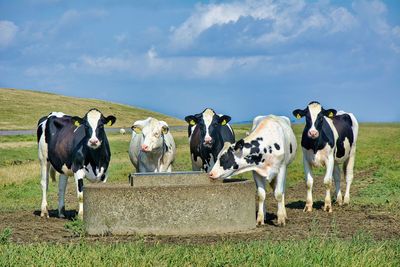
[366,233]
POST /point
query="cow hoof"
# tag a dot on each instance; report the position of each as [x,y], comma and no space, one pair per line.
[281,222]
[346,200]
[44,213]
[61,213]
[307,209]
[328,208]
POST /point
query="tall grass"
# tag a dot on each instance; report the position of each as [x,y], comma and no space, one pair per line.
[359,251]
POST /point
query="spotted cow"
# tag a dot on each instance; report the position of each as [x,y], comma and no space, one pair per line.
[329,139]
[152,147]
[72,146]
[207,133]
[267,151]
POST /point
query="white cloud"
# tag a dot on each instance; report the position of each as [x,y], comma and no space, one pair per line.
[8,32]
[288,20]
[151,65]
[207,16]
[106,63]
[342,20]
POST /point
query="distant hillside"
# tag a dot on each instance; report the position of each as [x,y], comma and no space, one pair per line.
[21,109]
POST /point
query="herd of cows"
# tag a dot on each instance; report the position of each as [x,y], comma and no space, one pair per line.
[75,146]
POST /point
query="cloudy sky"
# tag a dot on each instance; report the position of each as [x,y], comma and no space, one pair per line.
[242,58]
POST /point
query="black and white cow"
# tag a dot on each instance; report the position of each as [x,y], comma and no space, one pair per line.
[329,139]
[207,132]
[267,151]
[72,146]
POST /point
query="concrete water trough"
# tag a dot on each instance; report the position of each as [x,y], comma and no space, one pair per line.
[180,203]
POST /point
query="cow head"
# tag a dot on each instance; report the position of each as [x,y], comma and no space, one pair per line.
[94,122]
[209,124]
[153,132]
[314,114]
[242,156]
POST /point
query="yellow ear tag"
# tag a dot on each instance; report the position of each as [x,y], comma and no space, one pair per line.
[223,122]
[109,123]
[77,124]
[192,122]
[330,114]
[165,131]
[298,116]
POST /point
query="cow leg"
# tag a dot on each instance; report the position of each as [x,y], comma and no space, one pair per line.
[62,185]
[280,195]
[260,183]
[44,172]
[79,189]
[330,163]
[309,184]
[348,168]
[336,176]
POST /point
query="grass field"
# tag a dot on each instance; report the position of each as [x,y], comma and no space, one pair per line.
[366,233]
[21,109]
[376,189]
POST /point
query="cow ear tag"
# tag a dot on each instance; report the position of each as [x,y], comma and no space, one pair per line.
[223,122]
[109,123]
[77,124]
[330,114]
[298,116]
[165,131]
[192,122]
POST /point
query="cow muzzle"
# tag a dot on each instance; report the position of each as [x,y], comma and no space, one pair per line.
[145,148]
[208,141]
[94,143]
[213,175]
[313,134]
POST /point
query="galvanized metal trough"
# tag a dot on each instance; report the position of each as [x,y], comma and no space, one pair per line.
[177,203]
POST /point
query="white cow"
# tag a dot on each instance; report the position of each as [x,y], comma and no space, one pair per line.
[152,147]
[267,151]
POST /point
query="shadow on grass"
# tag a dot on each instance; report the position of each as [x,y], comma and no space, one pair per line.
[299,205]
[69,214]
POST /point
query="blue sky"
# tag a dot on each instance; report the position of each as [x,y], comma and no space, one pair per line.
[242,58]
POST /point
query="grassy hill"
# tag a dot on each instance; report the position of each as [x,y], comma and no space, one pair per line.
[21,109]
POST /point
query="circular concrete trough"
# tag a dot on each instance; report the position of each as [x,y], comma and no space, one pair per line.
[180,203]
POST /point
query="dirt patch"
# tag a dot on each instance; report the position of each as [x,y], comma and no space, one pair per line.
[344,222]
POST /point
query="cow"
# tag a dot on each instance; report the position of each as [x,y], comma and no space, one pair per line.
[72,146]
[152,149]
[207,132]
[266,151]
[329,139]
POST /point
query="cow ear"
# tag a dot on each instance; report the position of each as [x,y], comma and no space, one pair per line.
[77,121]
[329,112]
[110,120]
[224,119]
[164,127]
[136,129]
[298,113]
[239,145]
[192,120]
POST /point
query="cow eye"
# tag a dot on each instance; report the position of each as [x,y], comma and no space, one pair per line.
[156,134]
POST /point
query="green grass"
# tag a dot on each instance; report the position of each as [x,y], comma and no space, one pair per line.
[377,160]
[21,109]
[359,251]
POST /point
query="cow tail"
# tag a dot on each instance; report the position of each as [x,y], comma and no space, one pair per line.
[52,174]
